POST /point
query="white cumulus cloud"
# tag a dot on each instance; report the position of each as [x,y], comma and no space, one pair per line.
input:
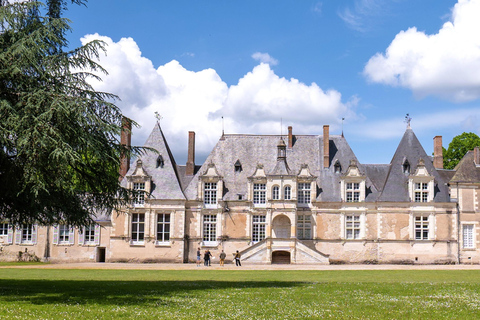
[197,101]
[264,58]
[445,64]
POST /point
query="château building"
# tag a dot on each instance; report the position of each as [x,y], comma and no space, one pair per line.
[278,199]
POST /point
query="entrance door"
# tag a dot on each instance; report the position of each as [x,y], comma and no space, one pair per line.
[281,227]
[100,254]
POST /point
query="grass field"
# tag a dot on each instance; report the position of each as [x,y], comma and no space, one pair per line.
[228,294]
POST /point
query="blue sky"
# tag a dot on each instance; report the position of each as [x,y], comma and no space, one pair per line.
[260,64]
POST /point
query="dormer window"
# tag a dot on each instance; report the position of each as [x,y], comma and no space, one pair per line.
[160,162]
[352,192]
[238,166]
[406,167]
[303,195]
[338,167]
[210,194]
[139,193]
[421,192]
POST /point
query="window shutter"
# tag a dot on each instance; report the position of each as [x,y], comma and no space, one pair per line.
[55,234]
[10,234]
[97,235]
[81,235]
[71,236]
[34,234]
[18,236]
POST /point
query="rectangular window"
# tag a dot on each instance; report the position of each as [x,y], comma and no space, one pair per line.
[210,193]
[139,197]
[303,195]
[275,193]
[468,238]
[209,228]
[163,227]
[27,232]
[138,228]
[421,192]
[288,193]
[421,228]
[63,233]
[304,227]
[258,228]
[259,192]
[3,229]
[352,192]
[89,234]
[352,227]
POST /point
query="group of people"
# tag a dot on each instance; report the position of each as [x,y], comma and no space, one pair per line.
[207,258]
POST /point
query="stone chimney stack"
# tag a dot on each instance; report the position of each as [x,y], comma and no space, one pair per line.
[290,137]
[190,170]
[437,152]
[326,146]
[476,156]
[125,140]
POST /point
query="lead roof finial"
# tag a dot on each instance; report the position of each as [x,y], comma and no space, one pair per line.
[158,117]
[408,120]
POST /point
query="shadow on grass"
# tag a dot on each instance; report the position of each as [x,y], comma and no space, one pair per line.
[44,292]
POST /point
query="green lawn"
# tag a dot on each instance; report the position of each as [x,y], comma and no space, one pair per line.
[232,294]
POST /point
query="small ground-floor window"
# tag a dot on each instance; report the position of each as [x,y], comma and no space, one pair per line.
[468,236]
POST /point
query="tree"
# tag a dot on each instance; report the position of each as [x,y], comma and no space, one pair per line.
[459,146]
[59,147]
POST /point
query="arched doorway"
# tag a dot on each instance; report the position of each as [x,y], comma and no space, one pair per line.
[280,257]
[281,227]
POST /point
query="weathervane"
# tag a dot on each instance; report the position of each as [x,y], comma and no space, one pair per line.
[407,120]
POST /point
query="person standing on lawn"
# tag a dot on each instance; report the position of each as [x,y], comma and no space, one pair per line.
[206,258]
[237,259]
[199,257]
[222,258]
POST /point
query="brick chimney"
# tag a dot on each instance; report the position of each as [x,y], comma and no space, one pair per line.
[326,146]
[125,140]
[476,156]
[190,170]
[290,137]
[437,152]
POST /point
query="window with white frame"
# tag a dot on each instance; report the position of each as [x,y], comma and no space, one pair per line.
[352,192]
[27,233]
[139,196]
[138,228]
[287,193]
[352,227]
[304,227]
[421,192]
[210,193]
[89,234]
[421,228]
[3,229]
[63,234]
[275,193]
[259,193]
[303,194]
[468,236]
[210,228]
[163,227]
[258,227]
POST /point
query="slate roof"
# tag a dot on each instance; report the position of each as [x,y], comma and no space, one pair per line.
[252,150]
[396,183]
[165,179]
[466,170]
[384,182]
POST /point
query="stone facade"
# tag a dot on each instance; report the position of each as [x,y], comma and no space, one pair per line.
[305,201]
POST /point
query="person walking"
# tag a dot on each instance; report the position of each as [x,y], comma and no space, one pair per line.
[199,257]
[222,259]
[237,259]
[206,258]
